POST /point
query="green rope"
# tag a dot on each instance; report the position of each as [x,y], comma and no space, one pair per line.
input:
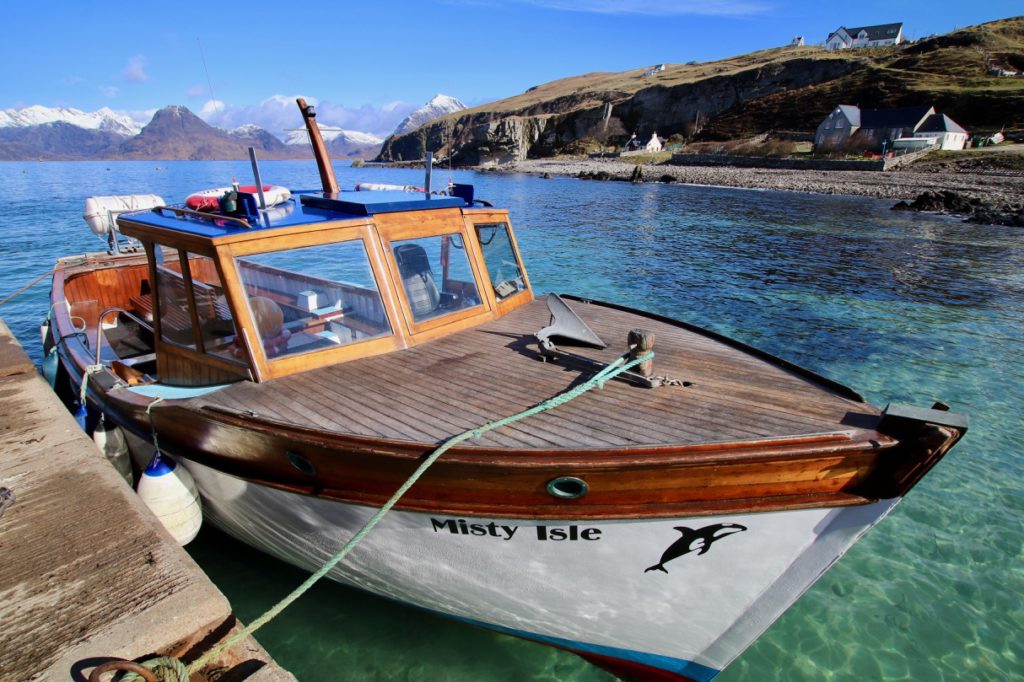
[28,286]
[597,381]
[167,668]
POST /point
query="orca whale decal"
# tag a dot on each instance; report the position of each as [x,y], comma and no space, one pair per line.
[695,540]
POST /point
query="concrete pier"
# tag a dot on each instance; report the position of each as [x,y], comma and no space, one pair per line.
[87,573]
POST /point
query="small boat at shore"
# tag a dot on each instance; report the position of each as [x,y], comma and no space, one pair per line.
[300,360]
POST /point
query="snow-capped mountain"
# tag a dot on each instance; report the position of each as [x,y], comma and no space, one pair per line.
[351,144]
[103,119]
[438,106]
[329,135]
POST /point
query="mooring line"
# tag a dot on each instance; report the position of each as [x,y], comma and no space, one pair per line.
[596,381]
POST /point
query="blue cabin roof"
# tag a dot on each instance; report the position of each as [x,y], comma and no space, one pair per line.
[369,203]
[310,208]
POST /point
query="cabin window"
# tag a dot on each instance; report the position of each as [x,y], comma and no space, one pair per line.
[436,275]
[216,324]
[502,265]
[313,298]
[175,318]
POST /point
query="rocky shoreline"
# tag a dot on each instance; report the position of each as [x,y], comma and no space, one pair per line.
[983,196]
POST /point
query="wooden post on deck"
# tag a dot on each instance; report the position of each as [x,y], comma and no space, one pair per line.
[640,343]
[323,161]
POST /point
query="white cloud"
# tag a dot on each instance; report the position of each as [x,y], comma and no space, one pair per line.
[211,107]
[109,90]
[195,91]
[279,113]
[143,116]
[134,73]
[658,8]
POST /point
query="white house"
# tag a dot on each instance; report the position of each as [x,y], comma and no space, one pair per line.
[874,129]
[654,69]
[946,132]
[864,36]
[654,145]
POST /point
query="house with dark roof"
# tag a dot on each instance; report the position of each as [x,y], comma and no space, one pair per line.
[853,128]
[865,36]
[947,133]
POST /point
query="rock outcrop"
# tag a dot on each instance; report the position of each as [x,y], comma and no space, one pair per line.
[975,209]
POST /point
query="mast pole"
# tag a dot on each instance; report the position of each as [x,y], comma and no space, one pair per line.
[323,161]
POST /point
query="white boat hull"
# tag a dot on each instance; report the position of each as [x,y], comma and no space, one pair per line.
[591,587]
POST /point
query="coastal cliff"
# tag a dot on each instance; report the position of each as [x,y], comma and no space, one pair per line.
[782,89]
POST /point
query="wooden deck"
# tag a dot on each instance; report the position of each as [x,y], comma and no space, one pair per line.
[433,391]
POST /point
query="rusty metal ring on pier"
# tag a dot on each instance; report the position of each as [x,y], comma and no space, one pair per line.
[125,666]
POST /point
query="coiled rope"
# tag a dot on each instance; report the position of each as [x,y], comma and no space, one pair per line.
[597,381]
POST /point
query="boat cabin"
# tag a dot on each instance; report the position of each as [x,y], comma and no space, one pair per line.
[317,280]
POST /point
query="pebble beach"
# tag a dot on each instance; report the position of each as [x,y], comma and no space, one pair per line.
[993,187]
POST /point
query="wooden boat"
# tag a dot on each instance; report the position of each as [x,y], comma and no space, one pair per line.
[301,363]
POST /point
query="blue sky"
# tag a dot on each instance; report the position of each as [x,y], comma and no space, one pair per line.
[369,63]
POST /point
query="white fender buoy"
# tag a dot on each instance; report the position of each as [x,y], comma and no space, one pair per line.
[109,438]
[99,211]
[170,493]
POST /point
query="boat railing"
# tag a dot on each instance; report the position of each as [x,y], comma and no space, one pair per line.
[99,326]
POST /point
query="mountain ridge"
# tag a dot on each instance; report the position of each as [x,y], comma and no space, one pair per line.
[173,133]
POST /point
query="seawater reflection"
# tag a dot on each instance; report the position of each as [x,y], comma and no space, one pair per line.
[902,307]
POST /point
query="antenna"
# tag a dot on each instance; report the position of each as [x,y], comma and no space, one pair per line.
[209,83]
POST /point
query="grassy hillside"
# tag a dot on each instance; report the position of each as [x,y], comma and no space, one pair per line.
[786,88]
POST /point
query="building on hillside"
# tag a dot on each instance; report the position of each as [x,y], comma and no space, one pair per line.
[654,69]
[798,41]
[947,133]
[850,127]
[865,36]
[655,144]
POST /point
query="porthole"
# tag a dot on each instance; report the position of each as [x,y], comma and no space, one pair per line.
[567,487]
[301,463]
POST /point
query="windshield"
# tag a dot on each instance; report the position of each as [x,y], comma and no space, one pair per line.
[313,298]
[436,275]
[502,265]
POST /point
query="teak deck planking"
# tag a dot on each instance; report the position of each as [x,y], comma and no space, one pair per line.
[439,389]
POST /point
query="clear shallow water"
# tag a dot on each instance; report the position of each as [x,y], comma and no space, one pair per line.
[901,307]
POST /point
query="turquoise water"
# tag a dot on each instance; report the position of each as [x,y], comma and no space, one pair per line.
[902,307]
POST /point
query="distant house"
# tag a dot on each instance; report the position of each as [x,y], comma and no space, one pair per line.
[945,131]
[654,69]
[864,36]
[798,41]
[655,144]
[876,129]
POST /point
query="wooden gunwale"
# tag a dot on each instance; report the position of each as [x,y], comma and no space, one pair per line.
[724,451]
